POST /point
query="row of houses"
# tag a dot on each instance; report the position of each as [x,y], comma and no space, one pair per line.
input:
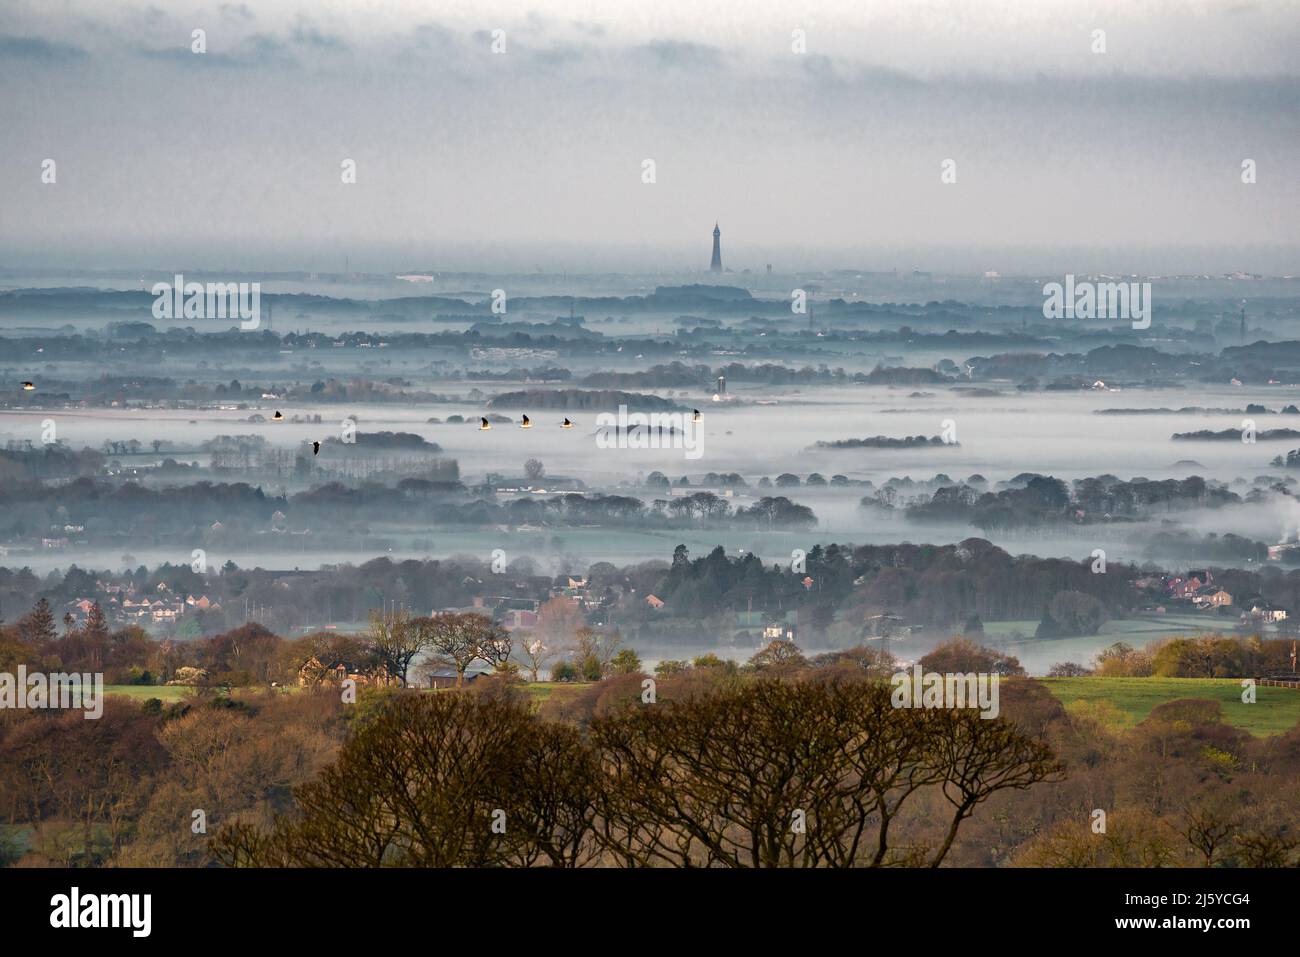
[1197,586]
[162,609]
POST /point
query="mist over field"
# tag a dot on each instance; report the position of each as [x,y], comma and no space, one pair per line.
[861,409]
[629,422]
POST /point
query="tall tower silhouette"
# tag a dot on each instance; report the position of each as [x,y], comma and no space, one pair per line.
[716,265]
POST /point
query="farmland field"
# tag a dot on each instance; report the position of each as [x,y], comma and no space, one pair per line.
[1039,654]
[1275,711]
[540,691]
[163,693]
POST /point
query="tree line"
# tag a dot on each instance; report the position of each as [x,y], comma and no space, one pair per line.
[763,773]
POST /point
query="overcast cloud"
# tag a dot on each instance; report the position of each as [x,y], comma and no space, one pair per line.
[533,158]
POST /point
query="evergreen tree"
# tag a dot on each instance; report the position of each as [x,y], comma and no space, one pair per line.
[96,624]
[38,625]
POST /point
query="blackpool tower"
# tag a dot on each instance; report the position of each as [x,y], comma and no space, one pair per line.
[716,265]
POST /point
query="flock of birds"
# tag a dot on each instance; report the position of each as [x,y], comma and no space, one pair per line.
[484,424]
[527,423]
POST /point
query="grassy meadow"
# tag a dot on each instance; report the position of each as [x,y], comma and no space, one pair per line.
[1127,701]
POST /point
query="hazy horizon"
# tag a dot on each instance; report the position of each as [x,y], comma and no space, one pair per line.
[532,158]
[677,259]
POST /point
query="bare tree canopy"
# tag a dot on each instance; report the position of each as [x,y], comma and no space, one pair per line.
[764,773]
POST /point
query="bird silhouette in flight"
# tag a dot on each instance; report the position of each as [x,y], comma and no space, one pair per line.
[484,424]
[526,423]
[566,424]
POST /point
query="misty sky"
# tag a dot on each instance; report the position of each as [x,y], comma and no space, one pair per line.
[532,159]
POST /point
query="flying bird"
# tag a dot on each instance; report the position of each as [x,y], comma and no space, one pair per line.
[566,424]
[315,448]
[28,386]
[526,423]
[484,424]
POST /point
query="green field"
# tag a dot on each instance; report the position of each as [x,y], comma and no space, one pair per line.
[1136,631]
[1005,629]
[1275,710]
[164,693]
[541,690]
[1039,654]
